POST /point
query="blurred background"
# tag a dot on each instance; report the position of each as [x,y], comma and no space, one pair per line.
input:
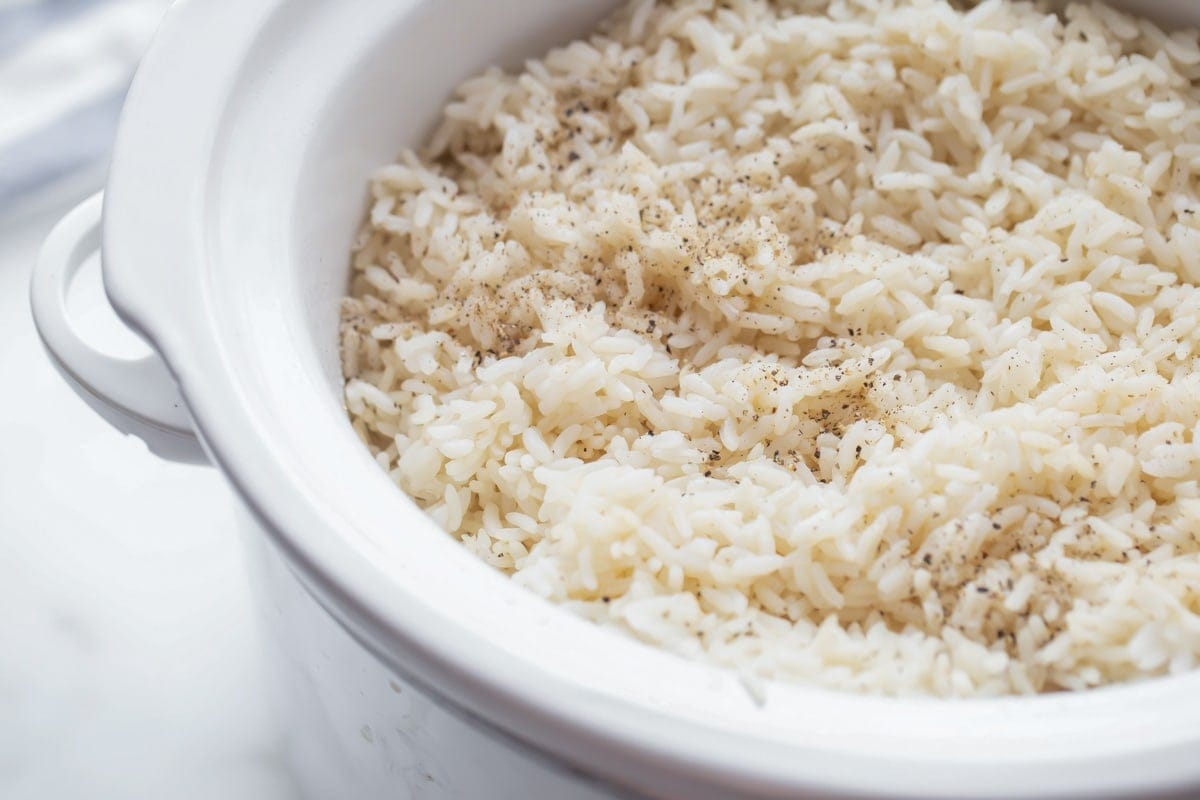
[128,651]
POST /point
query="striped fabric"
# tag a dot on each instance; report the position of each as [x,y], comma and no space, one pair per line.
[64,68]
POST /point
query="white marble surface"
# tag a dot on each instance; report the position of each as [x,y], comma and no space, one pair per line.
[129,665]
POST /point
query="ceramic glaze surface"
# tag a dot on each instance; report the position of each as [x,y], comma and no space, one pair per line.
[384,737]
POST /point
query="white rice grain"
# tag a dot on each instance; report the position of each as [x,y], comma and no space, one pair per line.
[841,341]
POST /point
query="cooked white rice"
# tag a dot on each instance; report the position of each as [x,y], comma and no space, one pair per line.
[851,342]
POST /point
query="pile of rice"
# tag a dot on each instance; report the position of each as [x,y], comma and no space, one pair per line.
[848,342]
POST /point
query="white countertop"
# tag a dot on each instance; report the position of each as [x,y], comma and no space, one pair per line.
[129,665]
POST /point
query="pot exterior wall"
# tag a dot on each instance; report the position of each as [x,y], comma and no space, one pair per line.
[356,730]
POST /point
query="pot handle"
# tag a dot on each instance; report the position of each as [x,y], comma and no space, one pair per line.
[138,396]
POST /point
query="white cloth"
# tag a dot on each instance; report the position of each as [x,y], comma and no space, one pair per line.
[64,69]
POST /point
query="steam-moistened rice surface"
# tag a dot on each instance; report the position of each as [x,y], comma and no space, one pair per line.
[851,342]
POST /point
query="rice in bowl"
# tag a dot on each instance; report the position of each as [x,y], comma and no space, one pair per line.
[850,342]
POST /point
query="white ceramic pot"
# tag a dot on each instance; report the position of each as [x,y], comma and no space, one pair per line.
[406,666]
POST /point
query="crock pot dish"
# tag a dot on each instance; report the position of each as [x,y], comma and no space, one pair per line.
[847,342]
